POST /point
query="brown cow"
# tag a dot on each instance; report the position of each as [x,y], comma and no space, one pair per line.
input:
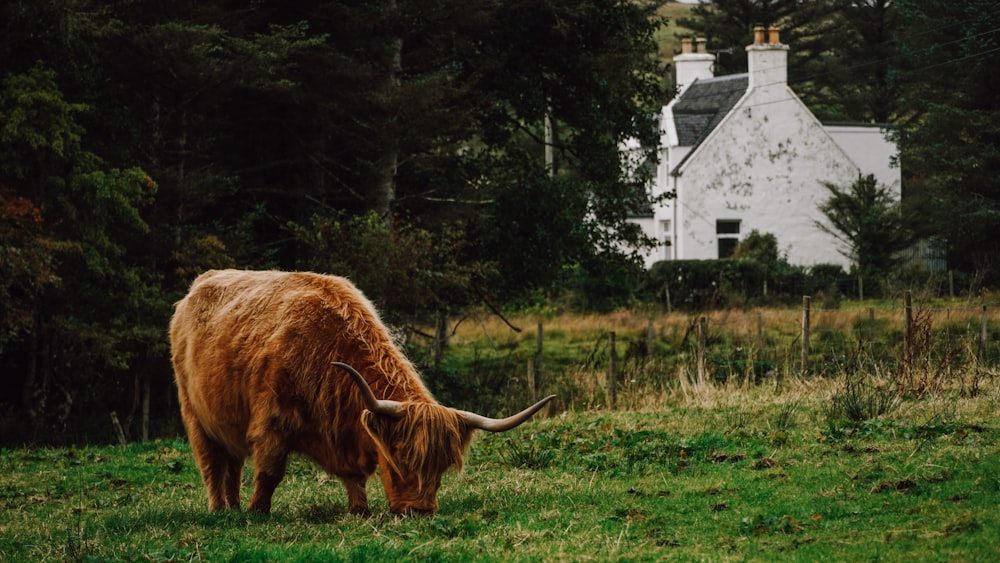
[263,362]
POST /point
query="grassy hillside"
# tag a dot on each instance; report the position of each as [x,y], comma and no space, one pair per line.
[667,36]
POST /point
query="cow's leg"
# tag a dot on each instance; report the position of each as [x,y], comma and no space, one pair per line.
[220,470]
[270,458]
[234,481]
[357,496]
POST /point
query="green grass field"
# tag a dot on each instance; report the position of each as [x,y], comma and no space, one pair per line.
[713,473]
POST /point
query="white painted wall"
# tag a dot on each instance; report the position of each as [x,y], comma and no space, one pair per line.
[762,166]
[871,150]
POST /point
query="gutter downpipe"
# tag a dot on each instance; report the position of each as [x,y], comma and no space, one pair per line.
[674,240]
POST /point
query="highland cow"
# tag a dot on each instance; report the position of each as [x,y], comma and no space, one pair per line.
[269,363]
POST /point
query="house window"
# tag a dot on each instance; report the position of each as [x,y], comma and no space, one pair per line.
[727,232]
[666,240]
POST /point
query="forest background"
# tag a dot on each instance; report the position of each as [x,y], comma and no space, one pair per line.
[402,143]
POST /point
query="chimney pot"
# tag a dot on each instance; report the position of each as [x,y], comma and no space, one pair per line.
[772,33]
[686,46]
[767,64]
[701,45]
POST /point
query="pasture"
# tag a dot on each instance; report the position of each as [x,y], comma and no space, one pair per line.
[716,472]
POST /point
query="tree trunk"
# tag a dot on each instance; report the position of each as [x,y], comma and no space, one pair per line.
[385,181]
[30,377]
[440,336]
[145,406]
[387,161]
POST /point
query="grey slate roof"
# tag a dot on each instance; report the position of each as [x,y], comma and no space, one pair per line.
[703,105]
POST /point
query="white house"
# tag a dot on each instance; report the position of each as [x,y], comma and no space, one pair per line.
[744,153]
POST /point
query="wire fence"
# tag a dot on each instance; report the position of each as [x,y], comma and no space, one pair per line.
[754,346]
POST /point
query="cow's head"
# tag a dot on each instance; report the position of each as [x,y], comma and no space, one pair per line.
[419,441]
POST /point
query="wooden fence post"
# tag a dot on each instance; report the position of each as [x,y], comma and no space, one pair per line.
[531,380]
[982,335]
[538,354]
[805,334]
[760,335]
[612,372]
[871,330]
[907,324]
[702,344]
[440,336]
[118,428]
[146,384]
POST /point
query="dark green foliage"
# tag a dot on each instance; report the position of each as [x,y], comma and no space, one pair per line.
[533,245]
[398,142]
[26,264]
[950,140]
[842,59]
[830,277]
[88,311]
[405,271]
[728,24]
[761,248]
[706,284]
[866,218]
[697,284]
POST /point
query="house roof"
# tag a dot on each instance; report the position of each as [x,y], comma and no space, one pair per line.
[704,104]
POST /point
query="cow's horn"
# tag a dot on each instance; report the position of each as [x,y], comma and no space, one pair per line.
[502,424]
[378,406]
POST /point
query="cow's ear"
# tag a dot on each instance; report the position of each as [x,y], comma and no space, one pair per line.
[378,425]
[466,436]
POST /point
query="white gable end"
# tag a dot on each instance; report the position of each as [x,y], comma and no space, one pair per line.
[762,166]
[743,153]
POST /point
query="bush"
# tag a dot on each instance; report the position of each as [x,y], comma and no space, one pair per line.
[709,284]
[712,284]
[687,284]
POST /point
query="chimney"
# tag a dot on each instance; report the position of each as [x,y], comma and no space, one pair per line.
[693,63]
[767,62]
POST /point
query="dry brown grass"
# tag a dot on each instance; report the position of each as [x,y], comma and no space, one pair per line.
[740,362]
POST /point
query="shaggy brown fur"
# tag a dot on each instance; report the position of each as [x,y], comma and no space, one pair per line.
[252,354]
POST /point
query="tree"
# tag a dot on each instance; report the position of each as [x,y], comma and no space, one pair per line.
[406,270]
[728,26]
[154,140]
[589,66]
[85,307]
[949,147]
[759,247]
[866,219]
[858,79]
[26,265]
[842,58]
